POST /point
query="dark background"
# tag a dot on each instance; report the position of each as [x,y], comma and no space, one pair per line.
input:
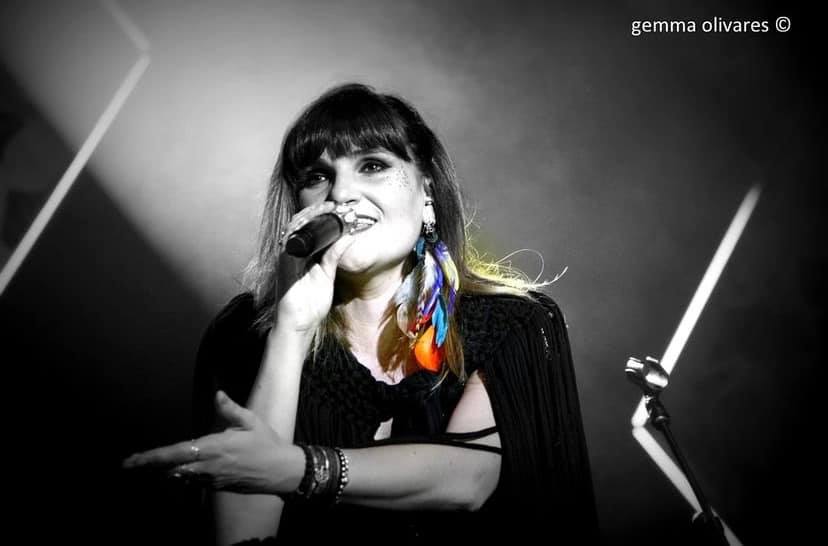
[621,158]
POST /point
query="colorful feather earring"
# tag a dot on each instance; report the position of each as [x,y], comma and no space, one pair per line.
[425,301]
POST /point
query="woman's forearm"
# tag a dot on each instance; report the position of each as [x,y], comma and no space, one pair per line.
[421,477]
[431,476]
[274,399]
[275,393]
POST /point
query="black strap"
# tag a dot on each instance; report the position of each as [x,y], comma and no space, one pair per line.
[453,439]
[470,435]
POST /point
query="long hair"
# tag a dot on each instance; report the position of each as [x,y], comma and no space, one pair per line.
[355,117]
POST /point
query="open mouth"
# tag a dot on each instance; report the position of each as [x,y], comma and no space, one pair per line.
[354,223]
[362,223]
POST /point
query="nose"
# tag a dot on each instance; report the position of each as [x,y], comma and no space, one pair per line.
[345,188]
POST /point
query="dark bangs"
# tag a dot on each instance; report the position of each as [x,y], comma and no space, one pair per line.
[345,120]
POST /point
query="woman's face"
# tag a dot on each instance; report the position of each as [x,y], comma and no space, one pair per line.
[376,184]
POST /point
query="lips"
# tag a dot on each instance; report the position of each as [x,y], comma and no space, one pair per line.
[362,223]
[353,221]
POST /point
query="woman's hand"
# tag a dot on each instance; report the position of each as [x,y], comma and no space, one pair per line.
[248,457]
[306,284]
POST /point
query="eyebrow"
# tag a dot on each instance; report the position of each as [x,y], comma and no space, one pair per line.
[321,163]
[365,151]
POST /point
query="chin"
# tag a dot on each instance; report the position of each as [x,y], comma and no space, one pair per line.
[364,258]
[355,264]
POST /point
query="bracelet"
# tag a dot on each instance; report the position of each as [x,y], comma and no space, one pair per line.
[306,486]
[325,477]
[322,471]
[343,475]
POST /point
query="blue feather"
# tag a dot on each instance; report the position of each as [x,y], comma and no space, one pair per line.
[431,282]
[419,248]
[439,320]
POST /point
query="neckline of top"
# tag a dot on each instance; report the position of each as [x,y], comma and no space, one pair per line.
[414,378]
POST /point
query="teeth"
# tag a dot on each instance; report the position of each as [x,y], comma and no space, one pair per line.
[362,224]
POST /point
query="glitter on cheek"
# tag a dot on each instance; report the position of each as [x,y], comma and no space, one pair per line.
[399,178]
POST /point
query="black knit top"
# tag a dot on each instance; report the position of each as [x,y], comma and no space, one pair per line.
[520,347]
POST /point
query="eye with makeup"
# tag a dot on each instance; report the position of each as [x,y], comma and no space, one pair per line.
[373,165]
[313,178]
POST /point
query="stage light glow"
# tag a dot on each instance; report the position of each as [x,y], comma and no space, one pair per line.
[679,340]
[702,294]
[81,158]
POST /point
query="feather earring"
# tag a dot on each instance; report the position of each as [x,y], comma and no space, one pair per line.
[426,299]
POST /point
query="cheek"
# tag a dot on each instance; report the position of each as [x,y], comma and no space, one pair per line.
[400,180]
[306,198]
[401,225]
[406,213]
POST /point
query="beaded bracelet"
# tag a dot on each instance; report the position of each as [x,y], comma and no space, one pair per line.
[343,475]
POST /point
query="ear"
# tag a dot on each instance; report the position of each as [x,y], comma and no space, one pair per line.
[427,187]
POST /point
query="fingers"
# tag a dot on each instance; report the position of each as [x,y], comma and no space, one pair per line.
[175,454]
[201,448]
[183,471]
[330,259]
[191,451]
[190,473]
[234,414]
[293,269]
[304,216]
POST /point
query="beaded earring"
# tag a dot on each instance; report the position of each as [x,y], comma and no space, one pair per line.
[425,300]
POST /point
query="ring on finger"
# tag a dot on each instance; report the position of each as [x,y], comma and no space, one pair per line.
[186,474]
[195,451]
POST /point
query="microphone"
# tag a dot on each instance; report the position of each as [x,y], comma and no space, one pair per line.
[319,233]
[648,375]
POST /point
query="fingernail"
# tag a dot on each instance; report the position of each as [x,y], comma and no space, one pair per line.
[221,397]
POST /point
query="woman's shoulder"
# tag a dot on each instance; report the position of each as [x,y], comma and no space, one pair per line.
[236,316]
[509,307]
[234,326]
[240,306]
[488,320]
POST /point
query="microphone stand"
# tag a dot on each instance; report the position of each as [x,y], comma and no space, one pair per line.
[652,378]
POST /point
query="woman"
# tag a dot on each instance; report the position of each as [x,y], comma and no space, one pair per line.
[430,399]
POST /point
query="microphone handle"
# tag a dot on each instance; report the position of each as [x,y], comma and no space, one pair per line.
[319,233]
